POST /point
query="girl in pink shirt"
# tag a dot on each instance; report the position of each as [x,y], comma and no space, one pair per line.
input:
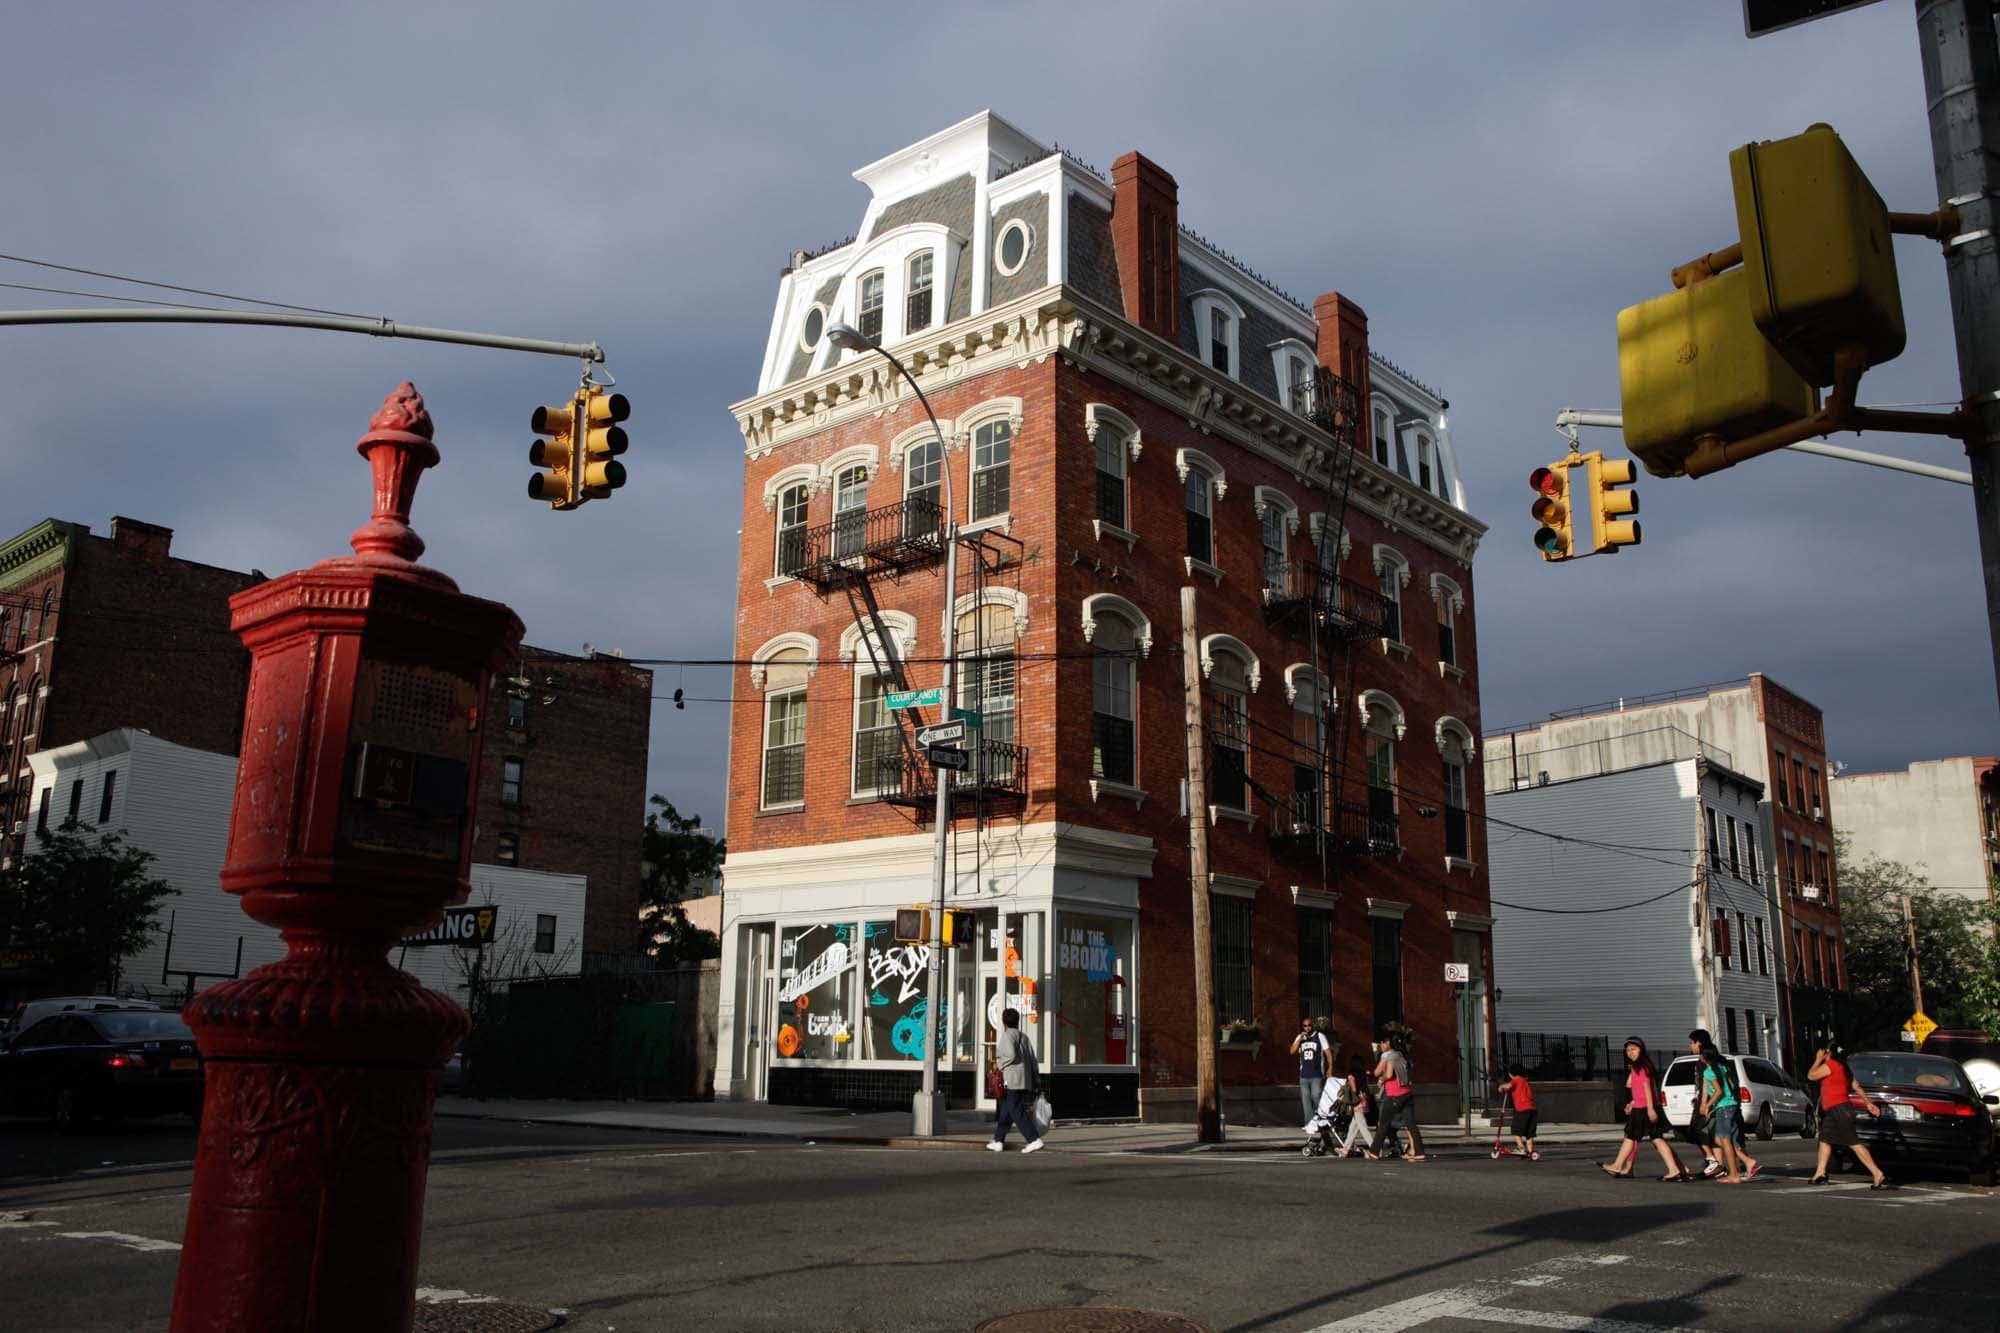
[1643,1119]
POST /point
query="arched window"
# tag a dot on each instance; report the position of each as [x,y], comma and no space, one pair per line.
[1229,730]
[28,708]
[986,637]
[1450,601]
[992,466]
[1218,322]
[1110,448]
[917,298]
[878,741]
[783,677]
[1385,430]
[1278,518]
[48,613]
[1382,724]
[1114,674]
[869,309]
[1203,481]
[850,512]
[1426,464]
[1455,750]
[7,718]
[5,626]
[923,489]
[793,503]
[1393,571]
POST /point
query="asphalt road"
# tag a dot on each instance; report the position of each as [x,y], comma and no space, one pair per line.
[652,1233]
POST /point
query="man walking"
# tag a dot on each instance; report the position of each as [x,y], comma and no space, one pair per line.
[1315,1055]
[1014,1056]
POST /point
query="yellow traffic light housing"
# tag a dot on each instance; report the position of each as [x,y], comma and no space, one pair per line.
[960,928]
[1820,268]
[1611,528]
[1693,363]
[1551,510]
[913,925]
[557,453]
[603,441]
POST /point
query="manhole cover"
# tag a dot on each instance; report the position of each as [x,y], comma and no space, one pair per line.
[1092,1319]
[482,1317]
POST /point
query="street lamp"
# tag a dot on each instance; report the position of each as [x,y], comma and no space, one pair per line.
[928,1107]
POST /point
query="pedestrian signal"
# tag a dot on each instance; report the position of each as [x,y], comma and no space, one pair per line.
[913,925]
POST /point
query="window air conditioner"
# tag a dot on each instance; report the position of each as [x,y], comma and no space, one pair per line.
[1819,812]
[1811,892]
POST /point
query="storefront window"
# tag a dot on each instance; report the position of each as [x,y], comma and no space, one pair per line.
[893,1006]
[1092,1024]
[816,969]
[1014,978]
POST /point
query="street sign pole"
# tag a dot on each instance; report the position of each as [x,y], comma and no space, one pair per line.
[928,1117]
[1962,88]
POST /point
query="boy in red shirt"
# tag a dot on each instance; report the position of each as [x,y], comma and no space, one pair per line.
[1522,1093]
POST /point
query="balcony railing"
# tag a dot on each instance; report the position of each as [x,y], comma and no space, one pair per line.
[997,773]
[1345,608]
[1331,404]
[887,540]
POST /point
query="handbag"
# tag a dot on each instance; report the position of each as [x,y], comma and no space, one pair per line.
[996,1083]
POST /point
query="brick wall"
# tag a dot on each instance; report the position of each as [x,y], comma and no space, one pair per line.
[582,741]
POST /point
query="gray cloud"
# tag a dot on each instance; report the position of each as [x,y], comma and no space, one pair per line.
[1492,182]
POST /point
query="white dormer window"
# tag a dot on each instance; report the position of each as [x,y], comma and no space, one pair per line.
[1425,463]
[1298,385]
[917,304]
[1221,333]
[1385,432]
[1218,323]
[870,306]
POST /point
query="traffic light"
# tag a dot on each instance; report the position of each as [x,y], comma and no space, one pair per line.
[558,454]
[1610,505]
[603,441]
[913,925]
[1551,510]
[960,928]
[1816,252]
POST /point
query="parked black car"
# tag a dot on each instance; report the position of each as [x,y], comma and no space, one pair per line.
[1931,1115]
[79,1065]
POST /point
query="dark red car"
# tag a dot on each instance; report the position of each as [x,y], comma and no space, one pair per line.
[1931,1114]
[79,1065]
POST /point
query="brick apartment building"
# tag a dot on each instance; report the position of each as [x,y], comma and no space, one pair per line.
[1125,410]
[1766,733]
[103,632]
[562,784]
[99,633]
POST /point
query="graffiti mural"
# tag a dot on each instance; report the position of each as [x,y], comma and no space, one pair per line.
[893,1018]
[817,967]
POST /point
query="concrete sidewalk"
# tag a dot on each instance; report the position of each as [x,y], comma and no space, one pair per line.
[966,1129]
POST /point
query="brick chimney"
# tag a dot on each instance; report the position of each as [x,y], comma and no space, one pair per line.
[1145,226]
[148,540]
[1343,349]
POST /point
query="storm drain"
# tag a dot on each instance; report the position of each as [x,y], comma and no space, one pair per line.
[481,1316]
[1092,1319]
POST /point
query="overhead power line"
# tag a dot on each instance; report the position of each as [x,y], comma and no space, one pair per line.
[168,287]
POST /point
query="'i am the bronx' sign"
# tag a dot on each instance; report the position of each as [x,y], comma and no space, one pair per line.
[466,927]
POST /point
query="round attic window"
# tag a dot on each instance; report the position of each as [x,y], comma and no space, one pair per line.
[814,327]
[1017,239]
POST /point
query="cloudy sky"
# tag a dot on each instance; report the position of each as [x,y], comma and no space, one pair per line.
[1491,181]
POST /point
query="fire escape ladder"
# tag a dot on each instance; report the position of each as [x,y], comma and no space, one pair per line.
[879,643]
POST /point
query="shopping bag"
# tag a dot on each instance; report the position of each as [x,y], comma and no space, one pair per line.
[996,1083]
[1044,1113]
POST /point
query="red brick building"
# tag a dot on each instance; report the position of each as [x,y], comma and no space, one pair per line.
[1125,410]
[103,632]
[562,784]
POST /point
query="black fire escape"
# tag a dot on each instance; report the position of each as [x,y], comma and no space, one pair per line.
[851,554]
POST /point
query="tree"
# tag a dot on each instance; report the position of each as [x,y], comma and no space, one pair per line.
[676,851]
[82,904]
[1955,952]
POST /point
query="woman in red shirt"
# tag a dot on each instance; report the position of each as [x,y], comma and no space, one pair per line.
[1837,1125]
[1642,1117]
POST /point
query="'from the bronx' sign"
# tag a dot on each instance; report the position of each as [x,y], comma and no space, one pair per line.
[467,927]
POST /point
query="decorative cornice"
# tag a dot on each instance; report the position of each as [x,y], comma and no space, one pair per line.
[36,551]
[1057,321]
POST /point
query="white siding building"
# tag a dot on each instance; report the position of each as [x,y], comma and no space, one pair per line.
[173,802]
[1655,920]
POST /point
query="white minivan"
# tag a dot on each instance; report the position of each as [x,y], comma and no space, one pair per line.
[1772,1099]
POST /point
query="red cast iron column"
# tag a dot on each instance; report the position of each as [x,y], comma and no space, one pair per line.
[352,827]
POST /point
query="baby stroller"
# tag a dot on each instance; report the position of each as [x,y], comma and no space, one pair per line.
[1329,1125]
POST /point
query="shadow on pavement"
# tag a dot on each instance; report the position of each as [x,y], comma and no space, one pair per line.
[1958,1293]
[1671,1312]
[1577,1226]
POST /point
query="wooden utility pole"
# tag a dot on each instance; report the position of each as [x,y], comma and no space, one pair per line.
[1916,976]
[1207,1091]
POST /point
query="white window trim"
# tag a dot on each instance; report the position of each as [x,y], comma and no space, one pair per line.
[1422,438]
[855,455]
[1027,251]
[1210,299]
[1378,404]
[1451,726]
[1194,460]
[1253,670]
[902,627]
[909,288]
[854,792]
[785,478]
[891,252]
[1101,604]
[1369,699]
[1196,566]
[764,752]
[1387,557]
[1098,415]
[1388,909]
[1445,590]
[1304,682]
[825,319]
[993,409]
[1233,886]
[916,436]
[1283,353]
[760,660]
[1319,523]
[1012,598]
[1270,497]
